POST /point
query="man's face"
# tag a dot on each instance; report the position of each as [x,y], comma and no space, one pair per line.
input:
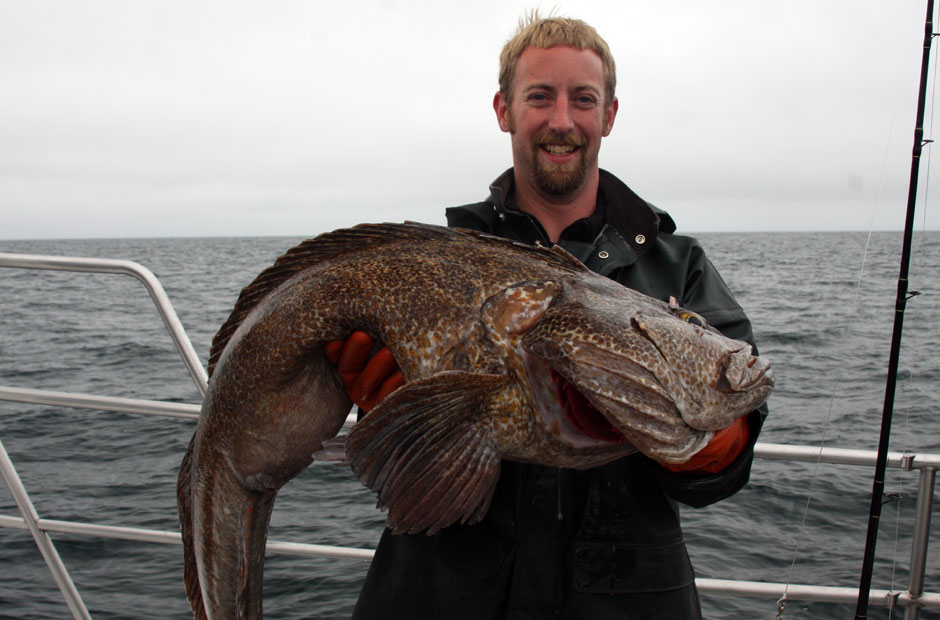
[556,118]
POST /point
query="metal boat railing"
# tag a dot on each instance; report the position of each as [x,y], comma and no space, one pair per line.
[913,599]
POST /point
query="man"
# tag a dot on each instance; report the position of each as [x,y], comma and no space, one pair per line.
[561,543]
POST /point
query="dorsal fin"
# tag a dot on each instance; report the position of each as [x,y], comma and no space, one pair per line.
[339,242]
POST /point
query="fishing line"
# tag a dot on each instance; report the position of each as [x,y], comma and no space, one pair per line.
[781,603]
[914,338]
[902,297]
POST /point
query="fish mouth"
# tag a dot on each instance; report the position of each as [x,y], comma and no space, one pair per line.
[626,394]
[739,371]
[565,411]
[582,413]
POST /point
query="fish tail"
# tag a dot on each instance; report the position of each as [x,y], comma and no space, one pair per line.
[242,452]
[225,527]
[184,503]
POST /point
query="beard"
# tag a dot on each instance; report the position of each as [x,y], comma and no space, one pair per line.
[556,179]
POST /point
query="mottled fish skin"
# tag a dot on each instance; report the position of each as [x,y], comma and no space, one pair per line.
[478,324]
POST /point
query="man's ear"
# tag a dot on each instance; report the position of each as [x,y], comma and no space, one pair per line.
[501,107]
[610,114]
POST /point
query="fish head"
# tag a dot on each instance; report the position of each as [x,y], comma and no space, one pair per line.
[712,379]
[663,383]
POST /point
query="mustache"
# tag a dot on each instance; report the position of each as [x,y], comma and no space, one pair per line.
[551,136]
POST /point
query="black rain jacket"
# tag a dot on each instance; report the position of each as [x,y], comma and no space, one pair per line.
[564,543]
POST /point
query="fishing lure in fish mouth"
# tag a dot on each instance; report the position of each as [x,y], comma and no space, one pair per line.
[508,351]
[686,315]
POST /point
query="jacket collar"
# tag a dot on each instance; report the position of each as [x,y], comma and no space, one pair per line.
[631,218]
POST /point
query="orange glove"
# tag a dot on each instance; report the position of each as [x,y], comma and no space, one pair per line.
[720,452]
[368,378]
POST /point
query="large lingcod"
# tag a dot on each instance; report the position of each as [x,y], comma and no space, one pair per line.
[484,330]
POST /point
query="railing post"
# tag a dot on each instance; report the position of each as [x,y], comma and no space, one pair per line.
[925,488]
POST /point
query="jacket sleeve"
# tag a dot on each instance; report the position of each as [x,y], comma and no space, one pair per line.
[701,490]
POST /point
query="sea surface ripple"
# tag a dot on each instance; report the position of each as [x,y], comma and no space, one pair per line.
[821,316]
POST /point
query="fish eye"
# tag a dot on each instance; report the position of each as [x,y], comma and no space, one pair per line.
[694,319]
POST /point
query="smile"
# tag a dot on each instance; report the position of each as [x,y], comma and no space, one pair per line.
[558,149]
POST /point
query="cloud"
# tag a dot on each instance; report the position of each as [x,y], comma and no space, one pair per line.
[242,118]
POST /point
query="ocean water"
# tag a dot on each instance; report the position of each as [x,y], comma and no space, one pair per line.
[822,305]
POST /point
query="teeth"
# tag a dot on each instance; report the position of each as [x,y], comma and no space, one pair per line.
[558,149]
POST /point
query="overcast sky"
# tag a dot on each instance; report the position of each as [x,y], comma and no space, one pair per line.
[165,118]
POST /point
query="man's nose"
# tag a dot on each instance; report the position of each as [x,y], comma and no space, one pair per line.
[561,116]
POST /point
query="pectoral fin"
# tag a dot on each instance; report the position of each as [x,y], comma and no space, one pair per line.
[425,450]
[517,308]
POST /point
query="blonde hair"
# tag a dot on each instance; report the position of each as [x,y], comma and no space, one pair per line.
[536,31]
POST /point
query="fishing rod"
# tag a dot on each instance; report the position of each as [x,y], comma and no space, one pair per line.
[864,587]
